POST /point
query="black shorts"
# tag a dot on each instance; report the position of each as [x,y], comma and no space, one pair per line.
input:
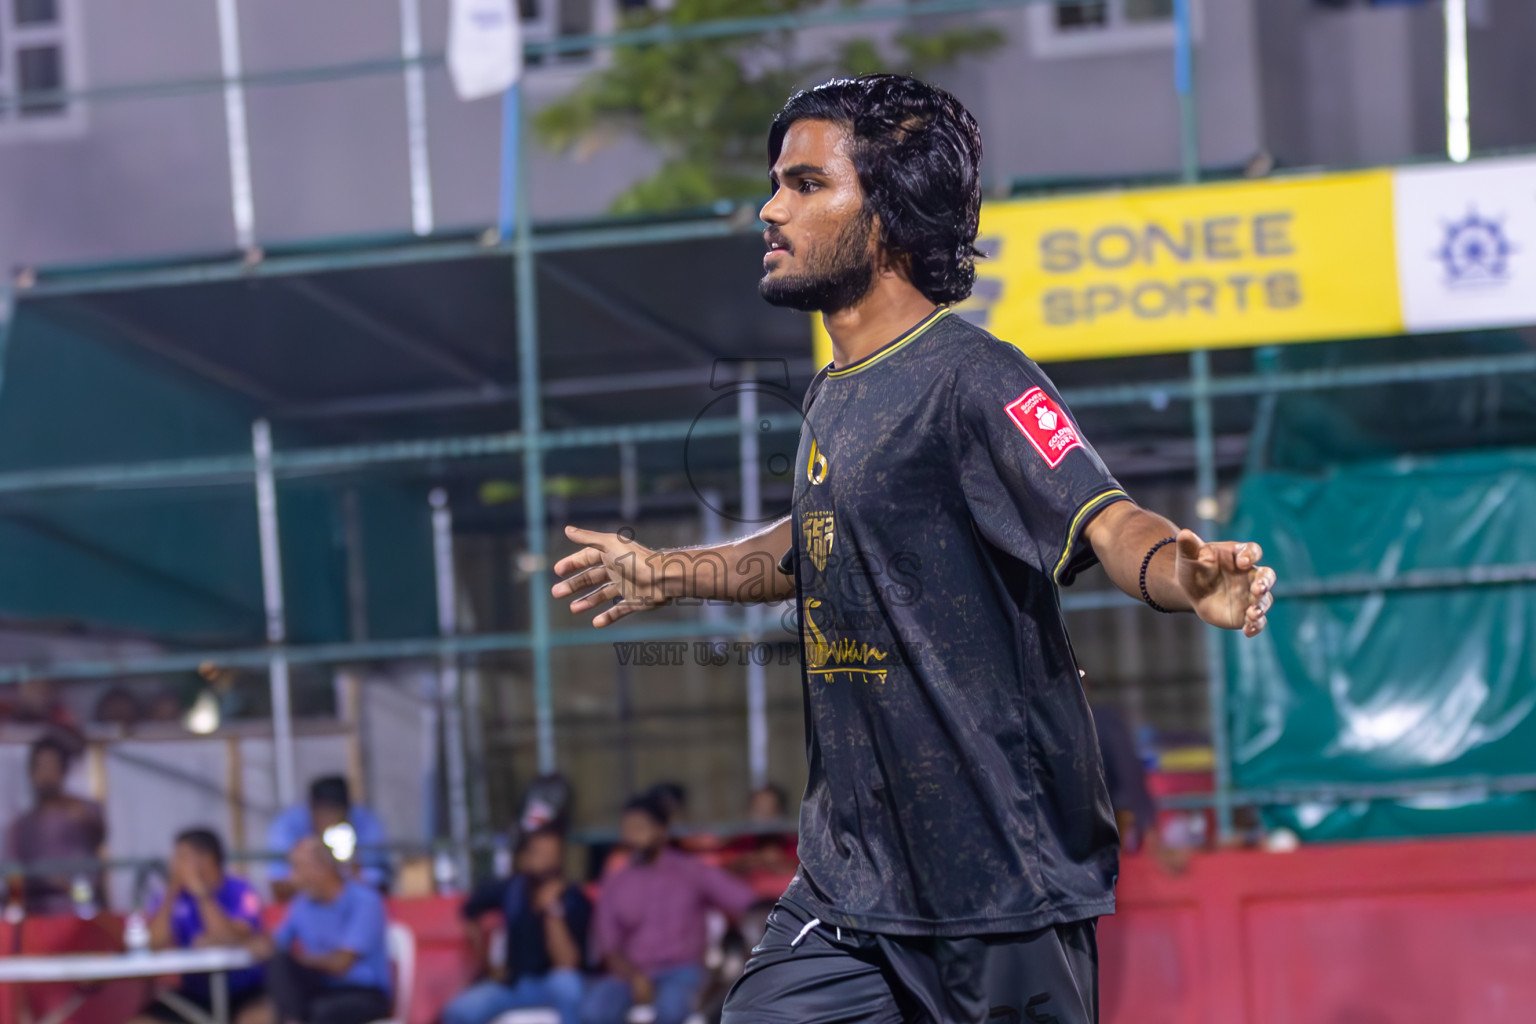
[807,973]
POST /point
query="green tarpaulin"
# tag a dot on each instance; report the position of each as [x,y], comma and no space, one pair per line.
[180,565]
[1391,687]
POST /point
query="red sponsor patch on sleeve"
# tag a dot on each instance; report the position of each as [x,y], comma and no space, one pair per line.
[1041,420]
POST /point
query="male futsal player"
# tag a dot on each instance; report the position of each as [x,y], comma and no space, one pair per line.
[956,838]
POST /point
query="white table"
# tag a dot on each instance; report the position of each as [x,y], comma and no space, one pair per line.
[82,967]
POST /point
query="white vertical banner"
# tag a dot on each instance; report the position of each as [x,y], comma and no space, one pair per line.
[485,47]
[1466,244]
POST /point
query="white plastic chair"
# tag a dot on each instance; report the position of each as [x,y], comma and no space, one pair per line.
[544,1015]
[496,951]
[400,942]
[532,1015]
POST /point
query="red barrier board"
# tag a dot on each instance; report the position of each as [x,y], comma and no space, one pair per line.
[107,1003]
[1422,932]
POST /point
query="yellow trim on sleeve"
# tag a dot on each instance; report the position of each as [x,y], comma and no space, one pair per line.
[1087,508]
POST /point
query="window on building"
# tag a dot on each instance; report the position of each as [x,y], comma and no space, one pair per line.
[557,19]
[1367,3]
[1068,28]
[1107,14]
[34,66]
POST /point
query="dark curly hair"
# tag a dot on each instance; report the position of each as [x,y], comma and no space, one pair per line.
[206,841]
[917,151]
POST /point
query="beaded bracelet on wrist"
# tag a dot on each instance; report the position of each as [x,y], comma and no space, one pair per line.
[1145,562]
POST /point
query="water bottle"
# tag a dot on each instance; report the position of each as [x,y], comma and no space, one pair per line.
[443,872]
[136,934]
[15,907]
[83,895]
[501,864]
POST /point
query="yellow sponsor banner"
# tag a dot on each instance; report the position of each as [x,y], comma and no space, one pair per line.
[1164,270]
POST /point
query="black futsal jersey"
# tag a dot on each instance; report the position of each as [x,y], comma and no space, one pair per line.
[955,782]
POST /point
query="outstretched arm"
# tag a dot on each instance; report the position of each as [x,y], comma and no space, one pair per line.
[1221,581]
[628,577]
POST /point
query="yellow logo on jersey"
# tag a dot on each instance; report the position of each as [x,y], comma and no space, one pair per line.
[816,465]
[820,531]
[829,659]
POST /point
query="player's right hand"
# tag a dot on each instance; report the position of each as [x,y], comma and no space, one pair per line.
[609,572]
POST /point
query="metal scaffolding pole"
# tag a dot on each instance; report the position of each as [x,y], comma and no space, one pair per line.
[448,691]
[1458,98]
[1511,575]
[1184,83]
[660,33]
[241,194]
[237,469]
[416,117]
[1206,509]
[7,318]
[531,399]
[272,597]
[752,514]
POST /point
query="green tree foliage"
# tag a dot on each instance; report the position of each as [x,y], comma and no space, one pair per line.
[706,103]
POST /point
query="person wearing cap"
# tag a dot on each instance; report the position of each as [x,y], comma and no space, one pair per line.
[353,832]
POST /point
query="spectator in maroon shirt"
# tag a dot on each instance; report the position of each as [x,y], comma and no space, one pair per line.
[651,923]
[59,829]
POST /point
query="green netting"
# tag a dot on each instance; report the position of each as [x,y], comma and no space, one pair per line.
[1396,686]
[180,564]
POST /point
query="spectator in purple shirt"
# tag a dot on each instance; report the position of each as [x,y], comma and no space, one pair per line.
[650,928]
[203,906]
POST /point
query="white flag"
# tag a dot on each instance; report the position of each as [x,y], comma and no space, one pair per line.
[485,47]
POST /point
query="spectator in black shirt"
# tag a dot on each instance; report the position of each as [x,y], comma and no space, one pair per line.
[546,921]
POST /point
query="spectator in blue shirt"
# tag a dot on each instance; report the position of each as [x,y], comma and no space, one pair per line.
[327,963]
[343,826]
[546,920]
[204,906]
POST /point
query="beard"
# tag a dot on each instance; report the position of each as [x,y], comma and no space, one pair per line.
[832,280]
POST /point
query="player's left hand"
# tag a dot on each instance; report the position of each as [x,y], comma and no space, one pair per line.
[1225,583]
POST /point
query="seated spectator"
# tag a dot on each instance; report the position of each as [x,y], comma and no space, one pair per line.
[651,924]
[36,702]
[118,706]
[546,920]
[672,798]
[344,826]
[204,906]
[1124,774]
[59,828]
[327,963]
[764,853]
[164,706]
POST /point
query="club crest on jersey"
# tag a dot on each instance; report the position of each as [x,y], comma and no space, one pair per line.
[819,530]
[1041,420]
